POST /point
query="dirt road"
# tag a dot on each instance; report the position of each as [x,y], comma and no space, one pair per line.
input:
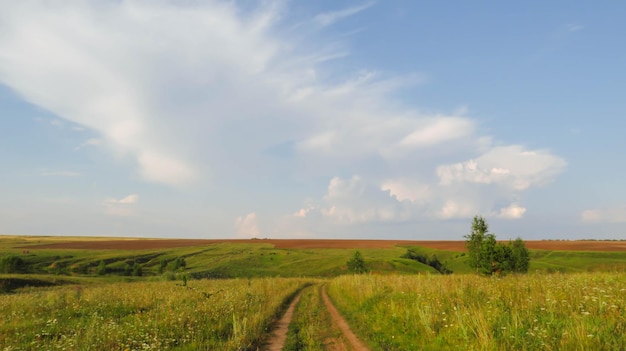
[152,244]
[277,341]
[339,321]
[349,341]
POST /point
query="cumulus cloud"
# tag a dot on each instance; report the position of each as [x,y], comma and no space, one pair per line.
[123,207]
[508,166]
[353,201]
[407,189]
[195,91]
[512,211]
[606,215]
[461,190]
[247,227]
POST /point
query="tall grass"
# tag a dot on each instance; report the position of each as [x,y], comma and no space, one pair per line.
[208,315]
[531,312]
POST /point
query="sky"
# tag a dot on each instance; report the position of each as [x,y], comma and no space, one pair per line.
[312,119]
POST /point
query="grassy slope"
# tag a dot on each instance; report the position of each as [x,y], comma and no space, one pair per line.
[228,260]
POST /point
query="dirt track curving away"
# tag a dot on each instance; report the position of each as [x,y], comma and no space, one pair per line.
[152,244]
[355,343]
[277,341]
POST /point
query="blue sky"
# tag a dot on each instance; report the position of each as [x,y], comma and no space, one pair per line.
[326,119]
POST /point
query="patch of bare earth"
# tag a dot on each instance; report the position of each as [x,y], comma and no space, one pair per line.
[340,322]
[153,244]
[276,342]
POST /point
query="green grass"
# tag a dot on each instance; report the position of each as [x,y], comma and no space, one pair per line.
[58,301]
[465,312]
[232,260]
[215,315]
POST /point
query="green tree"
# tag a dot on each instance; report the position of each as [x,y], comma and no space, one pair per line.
[474,241]
[356,264]
[488,257]
[520,257]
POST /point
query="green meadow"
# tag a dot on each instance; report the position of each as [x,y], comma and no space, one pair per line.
[225,296]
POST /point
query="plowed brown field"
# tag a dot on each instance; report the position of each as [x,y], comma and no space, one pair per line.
[151,244]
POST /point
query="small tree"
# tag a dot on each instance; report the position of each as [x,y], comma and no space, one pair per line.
[487,256]
[520,257]
[475,240]
[356,264]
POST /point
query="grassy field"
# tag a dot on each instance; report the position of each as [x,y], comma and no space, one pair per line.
[229,314]
[77,294]
[464,312]
[264,259]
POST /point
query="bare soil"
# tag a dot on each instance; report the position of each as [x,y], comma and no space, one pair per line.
[152,244]
[340,322]
[276,342]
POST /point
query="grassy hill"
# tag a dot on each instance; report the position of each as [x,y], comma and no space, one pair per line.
[51,265]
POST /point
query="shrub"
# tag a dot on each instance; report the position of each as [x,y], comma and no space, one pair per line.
[137,271]
[102,268]
[356,264]
[12,264]
[432,261]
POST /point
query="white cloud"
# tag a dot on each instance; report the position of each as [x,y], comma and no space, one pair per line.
[404,189]
[572,27]
[194,92]
[439,131]
[352,201]
[606,215]
[457,209]
[328,18]
[508,166]
[89,142]
[247,227]
[124,207]
[461,190]
[128,200]
[512,211]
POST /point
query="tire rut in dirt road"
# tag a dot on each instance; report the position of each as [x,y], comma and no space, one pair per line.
[355,343]
[277,341]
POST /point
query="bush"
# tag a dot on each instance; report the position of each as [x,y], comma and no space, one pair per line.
[137,271]
[356,264]
[178,263]
[12,264]
[102,268]
[432,261]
